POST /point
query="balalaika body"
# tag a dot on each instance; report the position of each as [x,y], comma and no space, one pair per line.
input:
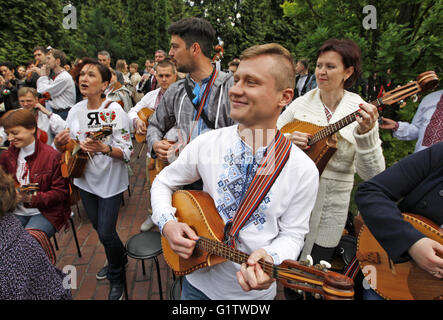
[197,209]
[404,280]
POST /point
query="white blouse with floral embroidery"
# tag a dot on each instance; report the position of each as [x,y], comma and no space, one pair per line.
[104,176]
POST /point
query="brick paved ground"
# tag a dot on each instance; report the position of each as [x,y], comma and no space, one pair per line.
[132,215]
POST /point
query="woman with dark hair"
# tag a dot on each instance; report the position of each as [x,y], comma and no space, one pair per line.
[358,147]
[31,161]
[26,272]
[105,177]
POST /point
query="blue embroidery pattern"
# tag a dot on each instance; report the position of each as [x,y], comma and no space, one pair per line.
[240,167]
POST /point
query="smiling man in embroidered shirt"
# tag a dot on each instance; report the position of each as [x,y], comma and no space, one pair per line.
[274,228]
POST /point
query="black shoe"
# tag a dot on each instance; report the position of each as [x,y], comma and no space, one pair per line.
[103,273]
[116,290]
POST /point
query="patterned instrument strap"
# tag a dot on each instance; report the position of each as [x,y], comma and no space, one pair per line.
[203,100]
[267,172]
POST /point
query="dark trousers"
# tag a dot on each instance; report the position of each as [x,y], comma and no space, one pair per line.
[63,113]
[103,213]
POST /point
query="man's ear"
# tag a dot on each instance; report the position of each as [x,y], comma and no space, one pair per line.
[286,97]
[195,48]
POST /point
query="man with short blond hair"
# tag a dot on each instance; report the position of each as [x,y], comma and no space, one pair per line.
[233,162]
[47,121]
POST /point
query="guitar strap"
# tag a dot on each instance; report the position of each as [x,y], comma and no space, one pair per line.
[268,170]
[201,105]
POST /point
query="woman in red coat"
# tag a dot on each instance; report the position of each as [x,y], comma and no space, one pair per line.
[30,161]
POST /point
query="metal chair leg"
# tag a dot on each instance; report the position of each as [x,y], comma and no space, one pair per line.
[159,278]
[75,237]
[143,267]
[125,283]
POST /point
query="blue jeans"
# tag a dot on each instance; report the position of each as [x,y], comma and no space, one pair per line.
[103,213]
[38,222]
[189,292]
[62,113]
[369,294]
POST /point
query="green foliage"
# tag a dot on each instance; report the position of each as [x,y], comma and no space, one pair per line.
[148,22]
[26,24]
[408,39]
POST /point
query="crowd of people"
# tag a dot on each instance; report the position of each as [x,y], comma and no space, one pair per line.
[217,131]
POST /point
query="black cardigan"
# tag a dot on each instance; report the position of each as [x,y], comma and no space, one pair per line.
[414,185]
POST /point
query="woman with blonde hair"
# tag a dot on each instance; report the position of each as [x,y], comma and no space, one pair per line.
[122,67]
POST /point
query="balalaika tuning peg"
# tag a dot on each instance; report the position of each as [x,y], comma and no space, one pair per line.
[309,262]
[325,264]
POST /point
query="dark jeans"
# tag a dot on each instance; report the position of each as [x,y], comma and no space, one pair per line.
[103,213]
[63,113]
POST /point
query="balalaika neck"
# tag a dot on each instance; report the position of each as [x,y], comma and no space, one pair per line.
[337,126]
[222,250]
[303,278]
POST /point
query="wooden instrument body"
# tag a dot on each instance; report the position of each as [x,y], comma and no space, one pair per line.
[74,159]
[197,209]
[399,281]
[154,168]
[144,115]
[321,151]
[73,166]
[192,208]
